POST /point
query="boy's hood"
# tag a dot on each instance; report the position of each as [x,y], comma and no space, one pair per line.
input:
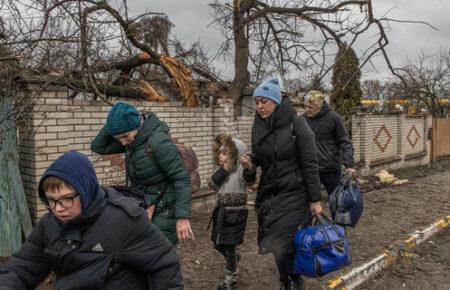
[75,169]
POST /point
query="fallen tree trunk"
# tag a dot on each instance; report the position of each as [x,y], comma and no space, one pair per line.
[141,90]
[177,71]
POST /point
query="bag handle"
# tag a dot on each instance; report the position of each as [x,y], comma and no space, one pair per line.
[323,219]
[308,220]
[345,179]
[311,219]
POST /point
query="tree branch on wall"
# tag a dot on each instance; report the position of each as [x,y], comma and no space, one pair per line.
[95,42]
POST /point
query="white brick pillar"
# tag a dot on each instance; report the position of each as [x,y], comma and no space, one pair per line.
[41,141]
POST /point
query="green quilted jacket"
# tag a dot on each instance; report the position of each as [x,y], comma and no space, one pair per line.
[151,174]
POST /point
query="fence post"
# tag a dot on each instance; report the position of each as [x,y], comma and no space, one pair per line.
[433,140]
[400,136]
[362,139]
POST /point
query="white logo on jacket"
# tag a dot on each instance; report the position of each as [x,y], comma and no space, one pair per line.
[97,248]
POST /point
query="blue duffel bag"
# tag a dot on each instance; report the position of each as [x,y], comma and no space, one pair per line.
[346,203]
[321,247]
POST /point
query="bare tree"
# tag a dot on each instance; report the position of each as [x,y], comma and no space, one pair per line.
[95,46]
[426,83]
[288,36]
[372,88]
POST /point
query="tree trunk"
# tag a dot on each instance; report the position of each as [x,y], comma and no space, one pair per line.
[241,55]
[137,91]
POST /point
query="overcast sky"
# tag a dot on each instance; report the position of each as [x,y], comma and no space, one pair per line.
[191,19]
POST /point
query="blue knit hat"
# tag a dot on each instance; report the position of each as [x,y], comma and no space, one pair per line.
[75,169]
[122,118]
[270,89]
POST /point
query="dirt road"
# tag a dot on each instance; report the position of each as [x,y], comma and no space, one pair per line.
[390,214]
[428,268]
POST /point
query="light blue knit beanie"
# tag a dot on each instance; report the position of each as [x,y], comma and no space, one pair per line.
[270,89]
[122,118]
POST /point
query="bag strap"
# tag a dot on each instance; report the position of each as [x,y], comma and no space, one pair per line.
[323,219]
[294,136]
[149,152]
[159,196]
[132,192]
[309,219]
[346,179]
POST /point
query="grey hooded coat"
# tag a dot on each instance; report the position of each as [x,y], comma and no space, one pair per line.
[230,214]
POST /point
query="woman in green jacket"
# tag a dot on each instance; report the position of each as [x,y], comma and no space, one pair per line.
[152,166]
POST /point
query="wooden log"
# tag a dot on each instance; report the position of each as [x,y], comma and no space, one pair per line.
[132,91]
[128,91]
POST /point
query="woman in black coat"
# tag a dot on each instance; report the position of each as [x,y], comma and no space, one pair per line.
[283,145]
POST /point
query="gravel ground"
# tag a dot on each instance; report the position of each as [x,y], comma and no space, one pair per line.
[390,213]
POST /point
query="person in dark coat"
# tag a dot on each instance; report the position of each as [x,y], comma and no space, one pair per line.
[334,147]
[283,146]
[92,237]
[153,166]
[229,218]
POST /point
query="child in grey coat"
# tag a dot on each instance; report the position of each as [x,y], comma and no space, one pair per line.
[229,218]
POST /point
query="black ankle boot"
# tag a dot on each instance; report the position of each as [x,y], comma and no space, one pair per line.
[229,282]
[283,283]
[294,282]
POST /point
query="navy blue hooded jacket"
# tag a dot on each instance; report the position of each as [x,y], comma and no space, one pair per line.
[111,245]
[75,169]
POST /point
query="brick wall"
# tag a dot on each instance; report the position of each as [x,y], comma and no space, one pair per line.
[59,124]
[390,141]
